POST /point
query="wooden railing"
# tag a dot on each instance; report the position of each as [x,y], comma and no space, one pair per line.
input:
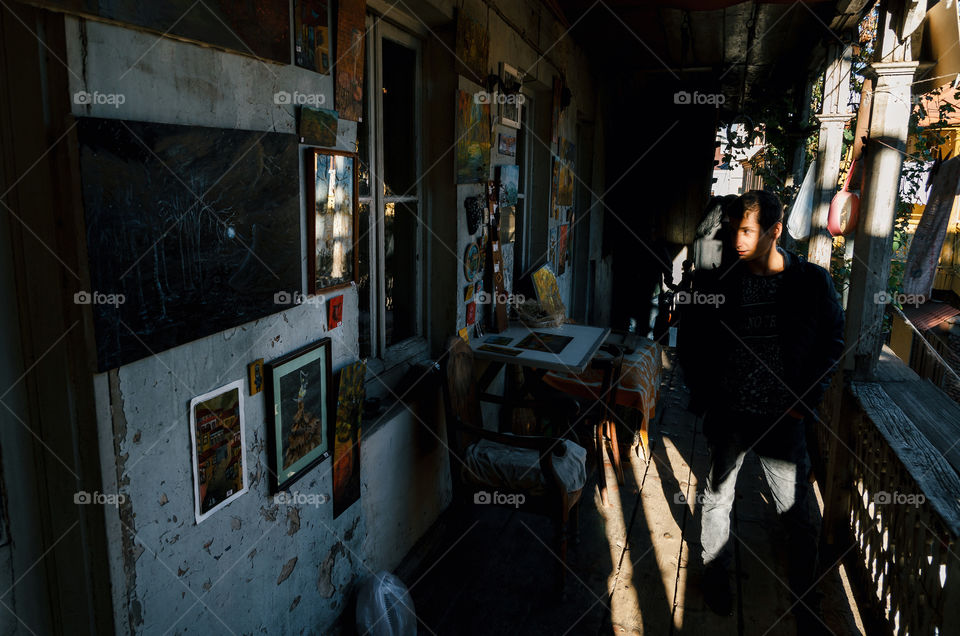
[892,502]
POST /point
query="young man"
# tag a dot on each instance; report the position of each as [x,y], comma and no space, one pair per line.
[758,345]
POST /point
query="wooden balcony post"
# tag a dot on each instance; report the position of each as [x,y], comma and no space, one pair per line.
[833,119]
[886,147]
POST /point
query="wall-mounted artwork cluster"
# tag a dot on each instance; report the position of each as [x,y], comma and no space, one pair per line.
[312,415]
[197,228]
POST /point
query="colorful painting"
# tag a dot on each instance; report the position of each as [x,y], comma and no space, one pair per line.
[464,334]
[298,386]
[176,227]
[473,139]
[507,145]
[335,312]
[331,227]
[472,261]
[548,292]
[260,28]
[311,28]
[472,47]
[346,444]
[546,342]
[509,177]
[565,184]
[317,126]
[468,293]
[348,67]
[219,449]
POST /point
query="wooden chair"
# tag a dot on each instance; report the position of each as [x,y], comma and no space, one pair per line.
[465,428]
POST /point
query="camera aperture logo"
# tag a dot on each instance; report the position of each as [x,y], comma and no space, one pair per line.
[301,499]
[84,498]
[685,98]
[296,98]
[296,298]
[98,298]
[496,97]
[883,498]
[884,297]
[86,98]
[485,298]
[682,500]
[483,498]
[698,298]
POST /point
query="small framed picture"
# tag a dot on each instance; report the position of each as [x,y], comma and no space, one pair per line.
[219,448]
[298,387]
[332,218]
[507,145]
[511,101]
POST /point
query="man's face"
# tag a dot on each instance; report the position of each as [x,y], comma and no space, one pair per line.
[750,239]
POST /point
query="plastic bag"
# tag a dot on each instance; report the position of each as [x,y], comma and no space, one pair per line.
[800,217]
[385,608]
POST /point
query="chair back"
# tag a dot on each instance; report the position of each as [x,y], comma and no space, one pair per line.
[459,382]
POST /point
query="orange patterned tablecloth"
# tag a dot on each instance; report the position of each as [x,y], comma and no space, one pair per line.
[639,382]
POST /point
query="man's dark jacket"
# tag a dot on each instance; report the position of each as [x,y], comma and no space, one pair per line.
[809,322]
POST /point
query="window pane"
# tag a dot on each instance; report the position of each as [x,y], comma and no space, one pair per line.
[399,119]
[363,137]
[363,285]
[400,270]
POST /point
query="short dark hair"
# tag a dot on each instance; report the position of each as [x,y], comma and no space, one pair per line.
[766,203]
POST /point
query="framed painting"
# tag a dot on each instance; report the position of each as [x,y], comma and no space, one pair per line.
[472,47]
[548,292]
[311,27]
[332,255]
[511,102]
[473,139]
[298,386]
[507,145]
[346,445]
[348,64]
[317,126]
[219,448]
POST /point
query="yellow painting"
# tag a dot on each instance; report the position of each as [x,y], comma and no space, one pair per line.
[548,292]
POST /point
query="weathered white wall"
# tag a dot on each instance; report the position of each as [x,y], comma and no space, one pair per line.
[168,572]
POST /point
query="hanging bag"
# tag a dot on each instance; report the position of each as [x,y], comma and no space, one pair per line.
[845,206]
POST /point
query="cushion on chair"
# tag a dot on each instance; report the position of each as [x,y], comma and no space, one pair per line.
[499,465]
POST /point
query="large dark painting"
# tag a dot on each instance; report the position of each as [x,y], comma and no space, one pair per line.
[195,229]
[254,27]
